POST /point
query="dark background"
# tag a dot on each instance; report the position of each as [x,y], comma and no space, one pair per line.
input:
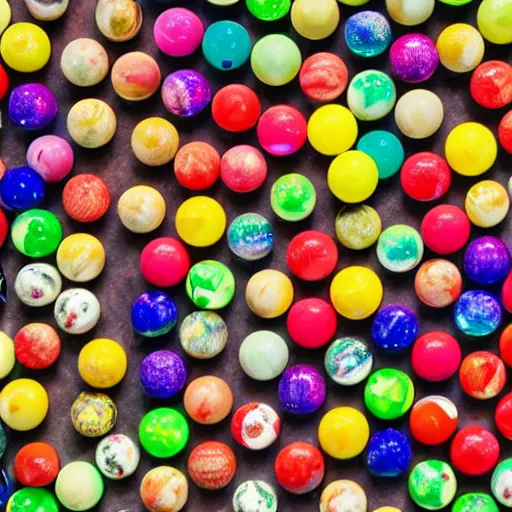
[121,281]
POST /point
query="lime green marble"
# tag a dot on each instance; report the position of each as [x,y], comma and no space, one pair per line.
[36,233]
[432,484]
[400,248]
[293,197]
[371,95]
[475,502]
[269,10]
[32,499]
[389,393]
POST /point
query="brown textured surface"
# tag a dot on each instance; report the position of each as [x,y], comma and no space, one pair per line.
[121,280]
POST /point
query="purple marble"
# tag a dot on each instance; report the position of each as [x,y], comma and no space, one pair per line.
[414,58]
[162,374]
[186,92]
[32,106]
[487,260]
[301,389]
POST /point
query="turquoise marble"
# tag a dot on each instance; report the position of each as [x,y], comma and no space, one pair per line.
[400,248]
[386,149]
[250,236]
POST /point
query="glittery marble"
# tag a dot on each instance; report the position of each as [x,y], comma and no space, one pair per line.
[477,313]
[250,236]
[93,414]
[395,328]
[348,361]
[414,58]
[358,227]
[255,496]
[117,456]
[203,334]
[487,260]
[153,314]
[367,33]
[77,311]
[32,106]
[162,374]
[38,284]
[186,92]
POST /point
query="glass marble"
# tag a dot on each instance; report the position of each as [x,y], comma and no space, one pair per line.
[7,360]
[226,45]
[475,502]
[208,400]
[117,456]
[164,489]
[77,311]
[501,482]
[400,248]
[32,106]
[93,414]
[203,334]
[37,346]
[432,484]
[255,496]
[343,433]
[51,157]
[371,95]
[210,285]
[395,328]
[493,20]
[389,393]
[332,129]
[200,221]
[301,390]
[433,420]
[410,12]
[482,375]
[491,84]
[282,130]
[186,92]
[293,197]
[438,283]
[81,257]
[255,426]
[269,293]
[358,227]
[211,465]
[197,166]
[38,284]
[79,486]
[84,62]
[263,355]
[118,20]
[163,432]
[386,150]
[477,313]
[367,34]
[21,189]
[389,454]
[91,123]
[471,149]
[250,236]
[461,47]
[315,20]
[162,374]
[36,233]
[419,114]
[487,260]
[269,10]
[348,361]
[25,47]
[323,77]
[141,209]
[32,499]
[413,58]
[487,203]
[276,59]
[178,32]
[153,314]
[343,495]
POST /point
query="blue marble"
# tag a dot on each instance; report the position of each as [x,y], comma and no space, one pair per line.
[250,236]
[186,92]
[226,45]
[162,374]
[395,328]
[367,33]
[22,189]
[477,313]
[154,314]
[6,489]
[487,260]
[32,106]
[389,453]
[386,149]
[301,389]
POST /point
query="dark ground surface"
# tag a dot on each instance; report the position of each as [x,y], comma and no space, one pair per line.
[121,281]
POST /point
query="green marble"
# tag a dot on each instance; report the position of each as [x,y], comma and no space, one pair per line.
[501,483]
[371,95]
[36,233]
[432,484]
[163,432]
[389,393]
[210,285]
[293,197]
[400,248]
[32,499]
[255,496]
[475,502]
[269,10]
